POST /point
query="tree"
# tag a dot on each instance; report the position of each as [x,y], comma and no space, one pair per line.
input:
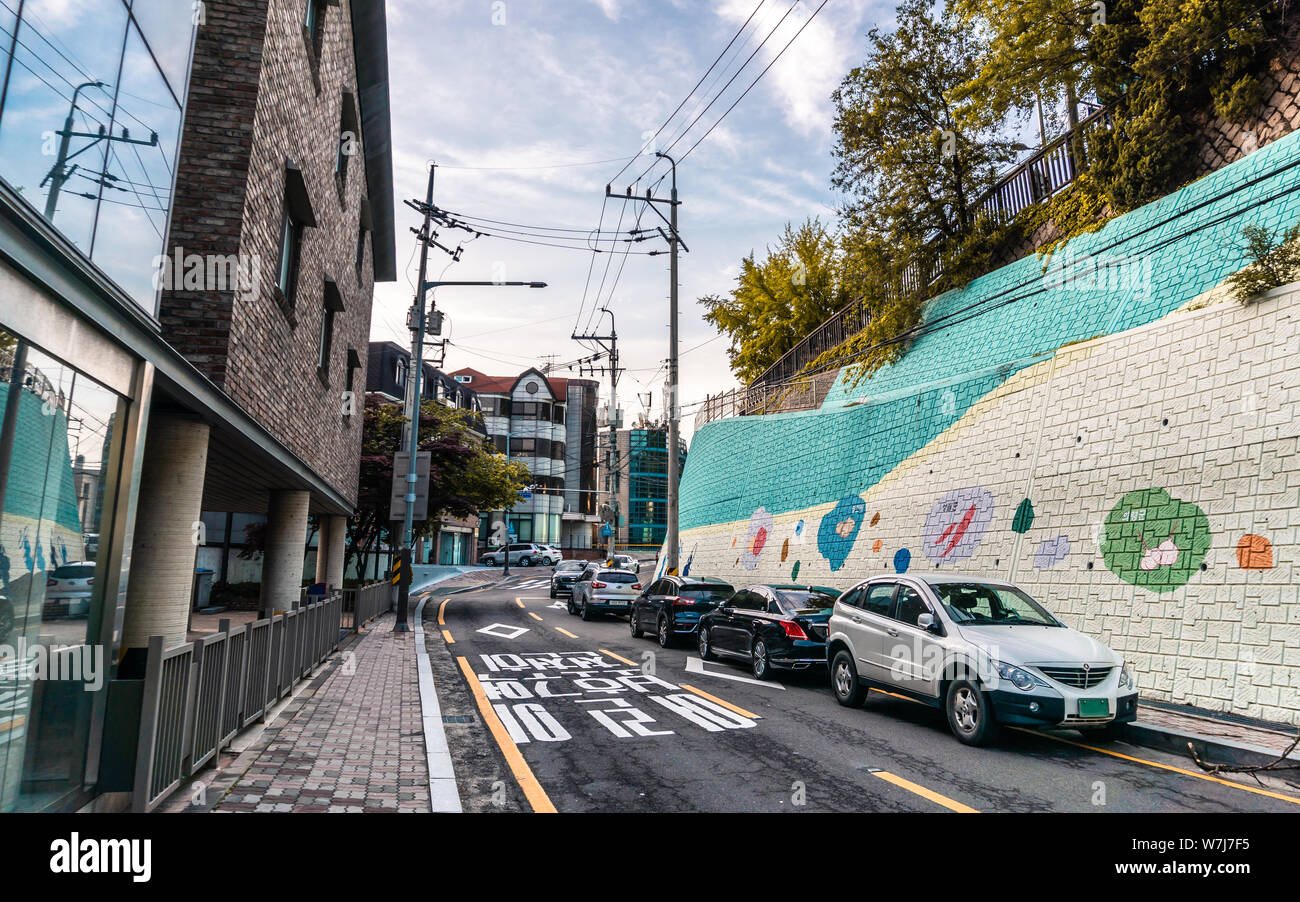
[466,474]
[777,301]
[1159,66]
[911,160]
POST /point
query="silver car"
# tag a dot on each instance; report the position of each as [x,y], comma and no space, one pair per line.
[980,649]
[68,590]
[602,590]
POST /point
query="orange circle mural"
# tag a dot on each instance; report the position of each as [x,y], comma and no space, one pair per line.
[1254,552]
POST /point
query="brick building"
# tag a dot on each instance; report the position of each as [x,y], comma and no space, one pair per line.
[185,292]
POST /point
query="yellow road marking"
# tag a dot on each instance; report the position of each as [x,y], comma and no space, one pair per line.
[728,705]
[1169,767]
[446,634]
[13,723]
[520,602]
[924,793]
[534,616]
[533,792]
[566,632]
[606,651]
[441,609]
[896,695]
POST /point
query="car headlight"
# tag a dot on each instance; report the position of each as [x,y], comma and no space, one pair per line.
[1017,677]
[1126,680]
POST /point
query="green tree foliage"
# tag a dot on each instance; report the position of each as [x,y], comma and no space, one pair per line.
[910,159]
[780,299]
[1158,65]
[466,473]
[1274,261]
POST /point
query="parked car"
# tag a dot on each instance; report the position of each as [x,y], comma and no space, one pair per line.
[672,606]
[565,575]
[525,554]
[601,590]
[554,554]
[68,590]
[771,627]
[627,562]
[982,650]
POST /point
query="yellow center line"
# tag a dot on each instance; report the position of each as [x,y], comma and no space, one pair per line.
[520,602]
[566,632]
[13,723]
[534,616]
[606,651]
[442,608]
[1169,767]
[726,704]
[924,793]
[446,634]
[533,792]
[896,695]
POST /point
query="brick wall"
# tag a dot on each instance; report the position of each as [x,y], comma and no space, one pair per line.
[261,96]
[1125,441]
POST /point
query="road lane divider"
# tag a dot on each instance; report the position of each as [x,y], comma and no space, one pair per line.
[1244,787]
[442,610]
[519,601]
[918,789]
[560,629]
[446,635]
[532,789]
[606,651]
[534,616]
[717,701]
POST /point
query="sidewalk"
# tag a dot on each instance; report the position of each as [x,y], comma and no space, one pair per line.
[1218,738]
[352,741]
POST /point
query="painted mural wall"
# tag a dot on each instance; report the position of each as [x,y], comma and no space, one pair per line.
[1111,431]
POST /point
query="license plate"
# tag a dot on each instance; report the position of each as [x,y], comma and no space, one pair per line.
[1093,707]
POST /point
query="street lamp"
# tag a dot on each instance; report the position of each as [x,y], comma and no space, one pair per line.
[412,437]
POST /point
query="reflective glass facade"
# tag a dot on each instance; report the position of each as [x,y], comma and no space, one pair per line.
[91,103]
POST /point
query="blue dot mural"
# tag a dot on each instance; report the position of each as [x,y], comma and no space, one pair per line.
[839,530]
[902,560]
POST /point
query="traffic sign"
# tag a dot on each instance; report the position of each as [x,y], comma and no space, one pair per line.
[402,466]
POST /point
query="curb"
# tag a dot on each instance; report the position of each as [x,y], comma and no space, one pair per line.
[1210,749]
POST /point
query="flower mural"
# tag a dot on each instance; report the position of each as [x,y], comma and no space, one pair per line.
[1051,552]
[760,529]
[956,524]
[839,530]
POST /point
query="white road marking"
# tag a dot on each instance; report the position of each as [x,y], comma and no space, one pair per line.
[504,631]
[696,665]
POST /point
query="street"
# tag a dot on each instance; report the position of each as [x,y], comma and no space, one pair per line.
[604,722]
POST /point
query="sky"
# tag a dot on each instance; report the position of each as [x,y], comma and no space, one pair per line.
[494,91]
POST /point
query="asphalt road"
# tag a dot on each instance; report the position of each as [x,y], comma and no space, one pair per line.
[558,713]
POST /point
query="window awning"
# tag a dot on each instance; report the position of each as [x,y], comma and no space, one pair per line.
[296,194]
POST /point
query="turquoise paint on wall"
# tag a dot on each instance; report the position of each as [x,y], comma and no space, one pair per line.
[1163,255]
[41,485]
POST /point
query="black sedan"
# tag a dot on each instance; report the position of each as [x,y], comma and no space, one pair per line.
[772,627]
[565,575]
[672,606]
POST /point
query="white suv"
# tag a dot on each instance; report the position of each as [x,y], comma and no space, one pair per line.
[980,649]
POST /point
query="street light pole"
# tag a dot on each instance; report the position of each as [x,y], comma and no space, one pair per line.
[674,408]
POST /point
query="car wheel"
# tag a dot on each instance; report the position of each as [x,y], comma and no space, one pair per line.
[706,650]
[970,715]
[570,607]
[525,562]
[553,595]
[844,681]
[586,612]
[760,663]
[634,625]
[663,633]
[6,619]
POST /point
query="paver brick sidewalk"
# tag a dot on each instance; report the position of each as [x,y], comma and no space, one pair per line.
[352,742]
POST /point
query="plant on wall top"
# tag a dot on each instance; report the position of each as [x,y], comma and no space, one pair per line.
[1274,261]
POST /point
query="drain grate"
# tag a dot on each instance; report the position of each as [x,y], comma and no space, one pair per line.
[457,718]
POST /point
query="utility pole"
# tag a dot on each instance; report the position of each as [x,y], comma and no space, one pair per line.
[411,436]
[610,344]
[60,173]
[674,240]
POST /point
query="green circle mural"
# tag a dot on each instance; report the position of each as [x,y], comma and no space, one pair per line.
[1155,541]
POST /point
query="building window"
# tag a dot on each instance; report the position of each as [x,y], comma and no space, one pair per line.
[326,340]
[290,248]
[311,20]
[361,250]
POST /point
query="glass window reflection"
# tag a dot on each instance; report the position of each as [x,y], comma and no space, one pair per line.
[56,436]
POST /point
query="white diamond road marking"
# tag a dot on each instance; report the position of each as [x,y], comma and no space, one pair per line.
[504,631]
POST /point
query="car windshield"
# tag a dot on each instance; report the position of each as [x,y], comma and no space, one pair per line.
[571,565]
[616,576]
[74,571]
[981,604]
[709,591]
[803,601]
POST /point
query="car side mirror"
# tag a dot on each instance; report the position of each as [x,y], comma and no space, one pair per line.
[927,622]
